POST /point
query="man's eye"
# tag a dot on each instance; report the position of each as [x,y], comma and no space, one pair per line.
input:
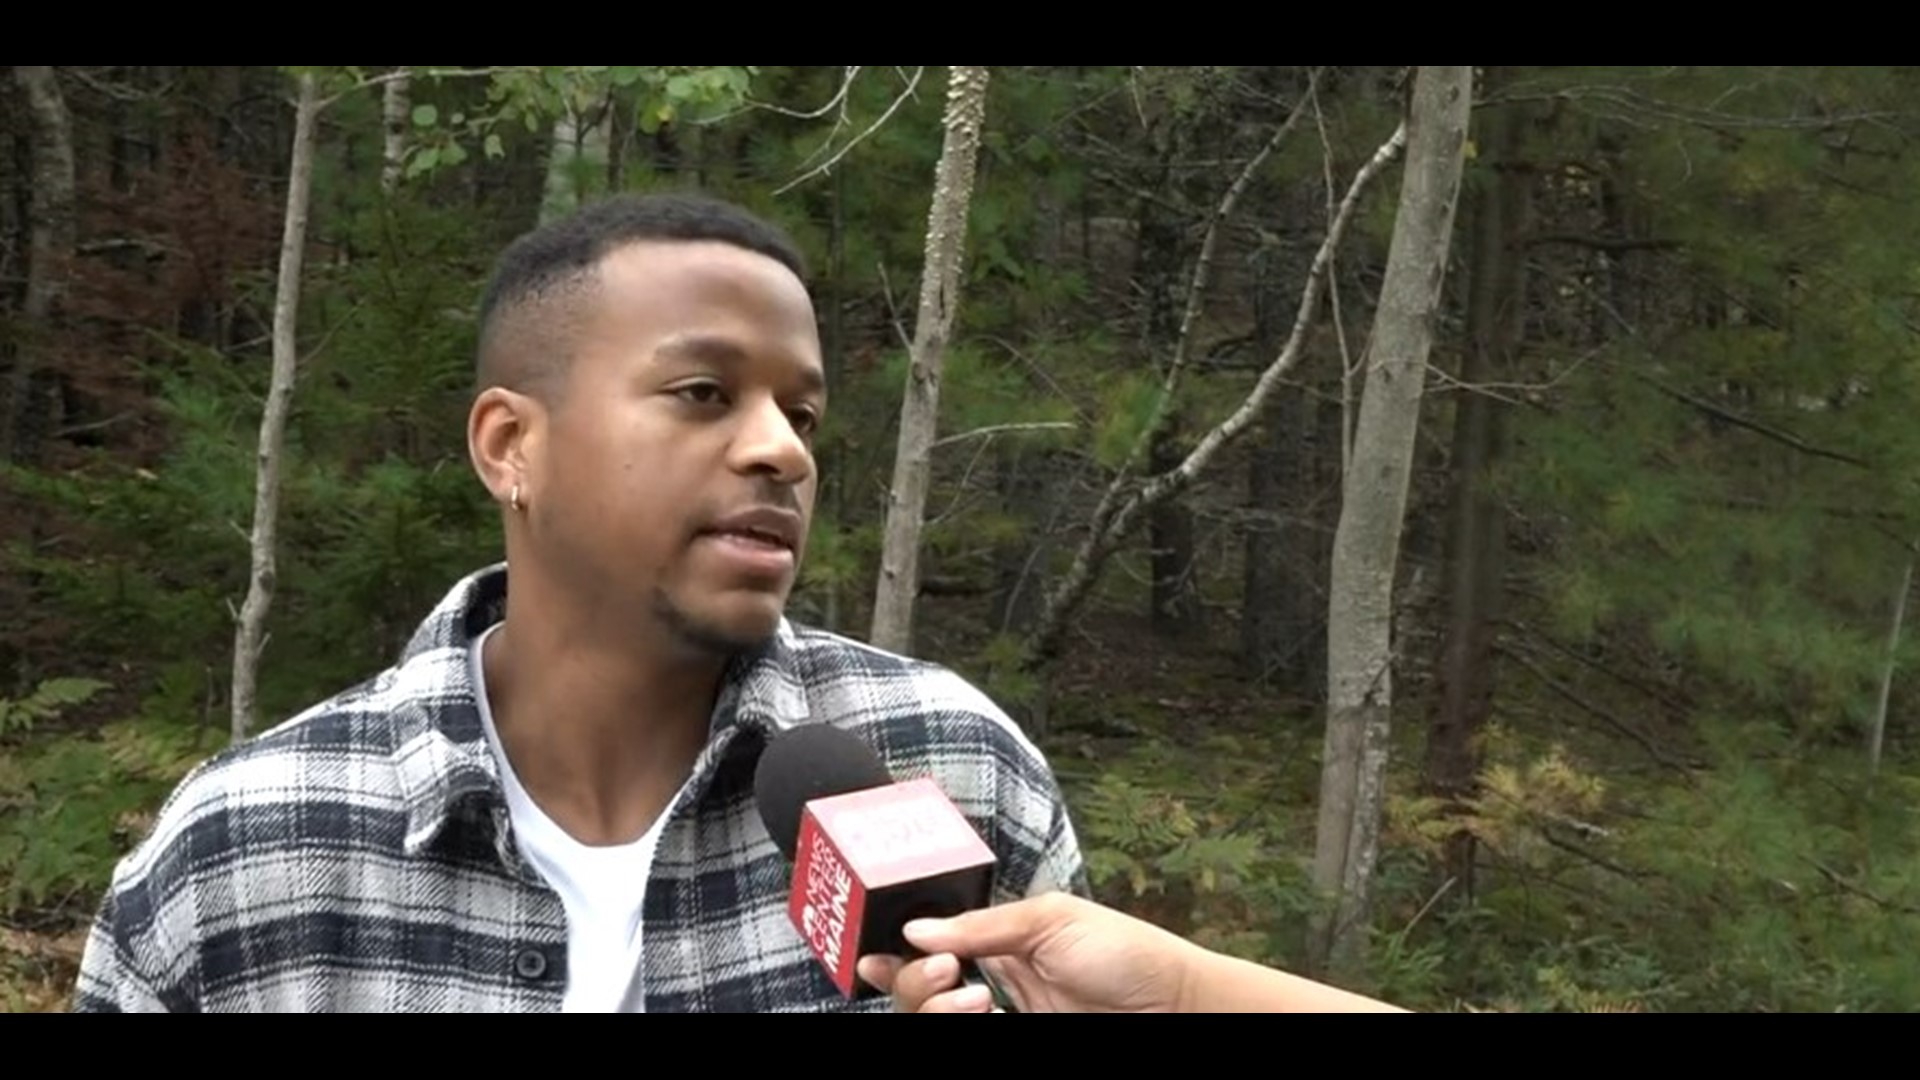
[805,421]
[702,393]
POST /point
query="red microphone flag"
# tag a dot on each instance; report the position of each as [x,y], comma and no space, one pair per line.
[867,862]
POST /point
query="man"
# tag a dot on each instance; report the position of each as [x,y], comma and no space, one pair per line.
[547,803]
[1064,953]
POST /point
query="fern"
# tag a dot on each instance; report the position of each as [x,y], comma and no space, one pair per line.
[48,701]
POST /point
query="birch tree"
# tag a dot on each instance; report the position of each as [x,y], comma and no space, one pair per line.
[1372,512]
[397,117]
[250,637]
[920,406]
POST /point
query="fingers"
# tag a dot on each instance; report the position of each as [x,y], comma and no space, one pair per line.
[967,999]
[919,981]
[930,984]
[879,972]
[1006,929]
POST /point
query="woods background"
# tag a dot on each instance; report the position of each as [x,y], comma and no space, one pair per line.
[1643,742]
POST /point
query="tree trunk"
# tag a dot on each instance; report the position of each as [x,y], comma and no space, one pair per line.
[833,467]
[1282,622]
[579,142]
[1029,492]
[1283,605]
[920,407]
[1263,623]
[1877,736]
[397,112]
[1165,330]
[619,144]
[1476,541]
[51,238]
[1372,512]
[1175,592]
[251,637]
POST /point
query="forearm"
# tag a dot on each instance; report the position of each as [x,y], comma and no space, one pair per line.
[1224,984]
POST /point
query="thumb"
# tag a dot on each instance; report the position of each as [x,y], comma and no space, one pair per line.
[995,931]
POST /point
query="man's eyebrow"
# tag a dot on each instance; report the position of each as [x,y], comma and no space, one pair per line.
[720,351]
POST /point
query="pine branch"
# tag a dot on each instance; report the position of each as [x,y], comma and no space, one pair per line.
[1603,243]
[1600,861]
[1841,883]
[1727,415]
[1622,678]
[1605,716]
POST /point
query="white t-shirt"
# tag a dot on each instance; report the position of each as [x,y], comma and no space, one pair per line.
[603,888]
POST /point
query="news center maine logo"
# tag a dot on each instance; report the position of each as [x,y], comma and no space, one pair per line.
[829,889]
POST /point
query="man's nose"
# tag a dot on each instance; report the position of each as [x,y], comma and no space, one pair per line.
[769,443]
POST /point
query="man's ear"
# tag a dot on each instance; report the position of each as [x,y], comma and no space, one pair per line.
[504,432]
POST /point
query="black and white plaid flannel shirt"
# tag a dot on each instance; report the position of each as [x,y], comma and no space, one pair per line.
[359,857]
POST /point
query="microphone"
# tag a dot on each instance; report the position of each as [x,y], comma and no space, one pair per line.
[869,854]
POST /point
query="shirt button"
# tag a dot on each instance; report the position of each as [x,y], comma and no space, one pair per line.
[530,964]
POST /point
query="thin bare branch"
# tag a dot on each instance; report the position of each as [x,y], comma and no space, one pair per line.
[1347,364]
[1099,544]
[893,309]
[1446,381]
[825,166]
[1196,298]
[1632,107]
[115,91]
[1726,415]
[1605,716]
[838,101]
[995,429]
[1840,882]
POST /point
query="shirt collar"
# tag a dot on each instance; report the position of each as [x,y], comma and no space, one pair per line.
[441,745]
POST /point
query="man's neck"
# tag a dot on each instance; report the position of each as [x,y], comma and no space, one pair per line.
[601,731]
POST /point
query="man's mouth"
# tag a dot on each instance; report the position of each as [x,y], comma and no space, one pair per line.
[764,529]
[754,537]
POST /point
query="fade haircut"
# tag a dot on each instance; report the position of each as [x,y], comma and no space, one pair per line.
[537,296]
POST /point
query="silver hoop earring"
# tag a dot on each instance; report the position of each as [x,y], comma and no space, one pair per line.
[514,498]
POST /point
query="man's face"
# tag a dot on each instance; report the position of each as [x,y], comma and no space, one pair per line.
[677,475]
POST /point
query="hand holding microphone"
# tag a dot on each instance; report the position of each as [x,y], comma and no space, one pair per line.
[892,888]
[1054,953]
[1062,953]
[869,854]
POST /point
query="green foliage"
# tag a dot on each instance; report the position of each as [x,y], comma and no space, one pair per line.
[1764,883]
[998,669]
[530,97]
[70,804]
[46,702]
[1190,837]
[1127,407]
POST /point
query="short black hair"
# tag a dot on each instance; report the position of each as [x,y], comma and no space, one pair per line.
[542,274]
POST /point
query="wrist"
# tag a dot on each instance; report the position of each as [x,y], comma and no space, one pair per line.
[1215,982]
[1194,978]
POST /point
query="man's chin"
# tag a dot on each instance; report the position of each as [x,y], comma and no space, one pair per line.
[725,629]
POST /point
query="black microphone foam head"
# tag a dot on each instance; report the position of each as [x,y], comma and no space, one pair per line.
[811,762]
